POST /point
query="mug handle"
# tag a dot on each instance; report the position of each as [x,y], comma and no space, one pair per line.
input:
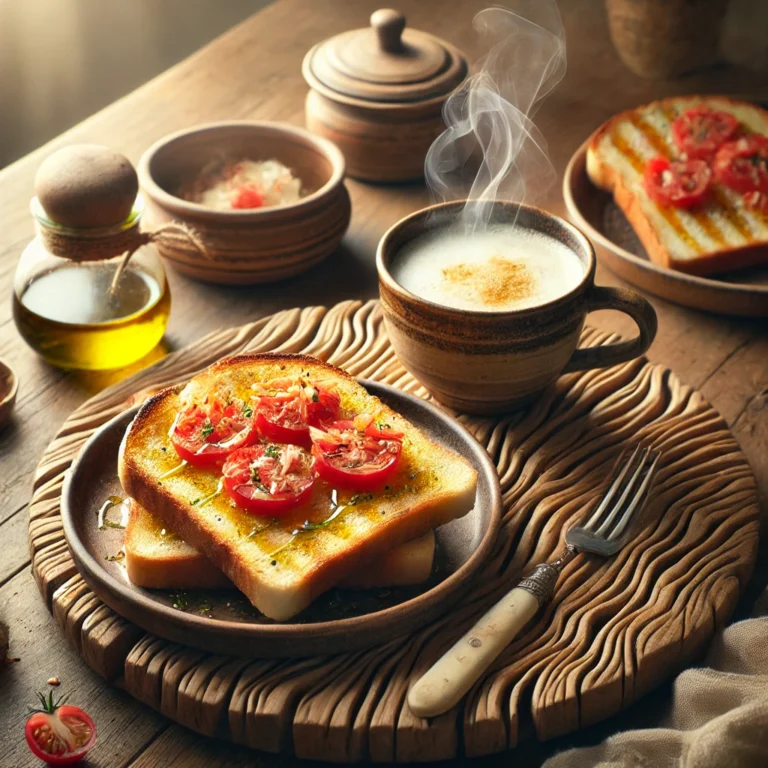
[632,304]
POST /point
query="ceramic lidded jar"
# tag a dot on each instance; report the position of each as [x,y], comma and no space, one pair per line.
[378,94]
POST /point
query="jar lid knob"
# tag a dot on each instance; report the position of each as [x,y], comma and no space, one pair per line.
[389,25]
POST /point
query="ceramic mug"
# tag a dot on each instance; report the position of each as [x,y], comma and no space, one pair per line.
[488,362]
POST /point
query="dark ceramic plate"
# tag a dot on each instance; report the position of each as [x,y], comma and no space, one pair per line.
[594,212]
[223,621]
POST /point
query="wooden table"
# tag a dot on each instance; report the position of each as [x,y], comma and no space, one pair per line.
[253,71]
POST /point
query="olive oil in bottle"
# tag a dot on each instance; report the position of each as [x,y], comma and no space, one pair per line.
[72,319]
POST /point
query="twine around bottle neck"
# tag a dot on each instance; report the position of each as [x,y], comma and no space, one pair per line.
[88,245]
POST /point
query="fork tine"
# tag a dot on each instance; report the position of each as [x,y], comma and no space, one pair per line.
[598,513]
[628,488]
[627,516]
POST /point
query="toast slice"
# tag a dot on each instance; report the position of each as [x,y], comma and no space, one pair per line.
[278,570]
[722,234]
[157,558]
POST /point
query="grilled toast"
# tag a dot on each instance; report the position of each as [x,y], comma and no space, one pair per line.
[157,558]
[722,234]
[278,570]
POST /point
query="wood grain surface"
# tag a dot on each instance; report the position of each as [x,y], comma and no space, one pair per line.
[254,72]
[614,631]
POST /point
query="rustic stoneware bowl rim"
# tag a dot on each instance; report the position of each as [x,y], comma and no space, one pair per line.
[8,397]
[451,587]
[186,208]
[385,276]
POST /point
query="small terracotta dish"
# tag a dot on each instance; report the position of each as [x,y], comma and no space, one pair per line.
[9,385]
[247,246]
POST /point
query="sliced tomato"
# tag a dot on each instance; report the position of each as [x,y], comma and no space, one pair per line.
[204,435]
[285,417]
[322,404]
[247,196]
[700,131]
[59,734]
[742,165]
[281,418]
[359,459]
[680,183]
[269,479]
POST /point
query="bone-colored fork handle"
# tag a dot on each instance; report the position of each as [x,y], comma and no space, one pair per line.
[451,676]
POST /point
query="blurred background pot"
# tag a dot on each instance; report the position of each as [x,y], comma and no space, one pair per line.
[665,38]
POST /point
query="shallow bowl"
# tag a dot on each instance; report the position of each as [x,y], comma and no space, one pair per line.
[222,621]
[244,247]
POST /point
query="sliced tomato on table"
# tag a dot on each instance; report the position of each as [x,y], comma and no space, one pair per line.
[59,733]
[269,479]
[205,434]
[742,165]
[361,455]
[700,131]
[286,414]
[679,183]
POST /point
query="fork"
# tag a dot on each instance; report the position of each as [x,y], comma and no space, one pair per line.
[604,534]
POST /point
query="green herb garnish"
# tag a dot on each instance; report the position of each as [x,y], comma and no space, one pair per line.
[247,411]
[272,452]
[208,430]
[256,480]
[180,601]
[204,607]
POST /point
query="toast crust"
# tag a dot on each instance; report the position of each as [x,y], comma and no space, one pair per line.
[158,559]
[606,176]
[307,565]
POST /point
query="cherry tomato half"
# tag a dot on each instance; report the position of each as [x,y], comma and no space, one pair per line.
[742,165]
[269,479]
[680,183]
[700,131]
[59,735]
[361,460]
[204,435]
[286,416]
[247,196]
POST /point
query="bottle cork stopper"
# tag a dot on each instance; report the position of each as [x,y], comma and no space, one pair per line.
[87,186]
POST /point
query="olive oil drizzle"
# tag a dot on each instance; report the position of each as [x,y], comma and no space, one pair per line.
[104,522]
[174,470]
[205,499]
[307,527]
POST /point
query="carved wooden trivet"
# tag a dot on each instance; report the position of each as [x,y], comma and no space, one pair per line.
[615,630]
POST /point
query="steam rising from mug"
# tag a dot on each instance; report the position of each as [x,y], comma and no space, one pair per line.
[491,149]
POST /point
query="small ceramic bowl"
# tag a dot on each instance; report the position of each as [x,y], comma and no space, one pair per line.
[254,245]
[9,385]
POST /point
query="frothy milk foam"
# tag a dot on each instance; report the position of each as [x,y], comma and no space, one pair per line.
[497,270]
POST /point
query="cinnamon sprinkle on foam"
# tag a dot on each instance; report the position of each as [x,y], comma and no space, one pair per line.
[496,282]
